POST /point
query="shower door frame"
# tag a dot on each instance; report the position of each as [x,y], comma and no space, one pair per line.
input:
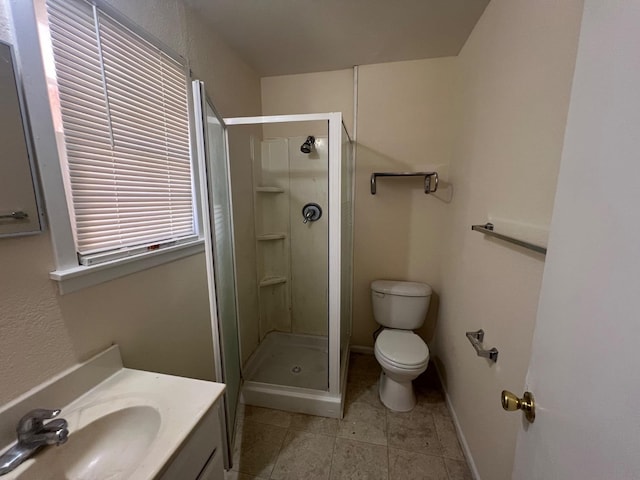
[334,120]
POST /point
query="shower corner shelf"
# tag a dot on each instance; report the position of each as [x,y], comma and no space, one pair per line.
[268,281]
[265,237]
[269,190]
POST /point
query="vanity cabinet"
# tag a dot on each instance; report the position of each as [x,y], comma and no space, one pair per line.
[200,457]
[124,424]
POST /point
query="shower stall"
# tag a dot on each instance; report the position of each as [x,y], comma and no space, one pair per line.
[294,345]
[276,195]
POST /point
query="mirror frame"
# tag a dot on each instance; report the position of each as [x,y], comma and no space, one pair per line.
[39,223]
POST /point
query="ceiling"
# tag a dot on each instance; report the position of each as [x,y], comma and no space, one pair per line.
[280,37]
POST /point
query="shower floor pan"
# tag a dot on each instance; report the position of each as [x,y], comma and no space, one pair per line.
[290,372]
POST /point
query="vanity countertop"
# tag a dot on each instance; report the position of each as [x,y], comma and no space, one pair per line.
[123,423]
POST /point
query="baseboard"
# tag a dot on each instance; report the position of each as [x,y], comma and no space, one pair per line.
[463,440]
[361,349]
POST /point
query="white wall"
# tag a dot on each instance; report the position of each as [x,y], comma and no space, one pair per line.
[160,317]
[512,90]
[309,182]
[271,169]
[300,304]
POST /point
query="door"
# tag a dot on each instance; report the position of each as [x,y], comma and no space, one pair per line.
[218,231]
[584,370]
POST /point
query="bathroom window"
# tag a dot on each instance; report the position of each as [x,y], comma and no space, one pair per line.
[121,115]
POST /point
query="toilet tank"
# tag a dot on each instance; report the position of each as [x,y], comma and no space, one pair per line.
[401,305]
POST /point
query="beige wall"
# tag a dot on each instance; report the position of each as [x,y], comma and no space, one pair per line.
[495,116]
[160,317]
[405,123]
[234,88]
[491,121]
[307,93]
[5,27]
[512,89]
[405,115]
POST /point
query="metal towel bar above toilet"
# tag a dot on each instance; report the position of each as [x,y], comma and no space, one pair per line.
[428,183]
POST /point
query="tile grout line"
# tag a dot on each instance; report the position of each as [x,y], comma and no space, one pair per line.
[433,415]
[333,455]
[364,395]
[294,431]
[279,451]
[435,426]
[386,427]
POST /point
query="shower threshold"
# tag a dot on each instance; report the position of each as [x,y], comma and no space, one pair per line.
[290,372]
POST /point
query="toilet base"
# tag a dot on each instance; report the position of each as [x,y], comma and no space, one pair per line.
[396,396]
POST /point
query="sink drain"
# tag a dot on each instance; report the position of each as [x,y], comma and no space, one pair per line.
[296,369]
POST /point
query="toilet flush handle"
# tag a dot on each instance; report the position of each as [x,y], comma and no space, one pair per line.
[378,294]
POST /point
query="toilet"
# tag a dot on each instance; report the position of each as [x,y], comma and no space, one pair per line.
[400,307]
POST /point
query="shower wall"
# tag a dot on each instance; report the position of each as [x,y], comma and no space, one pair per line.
[292,256]
[271,197]
[308,179]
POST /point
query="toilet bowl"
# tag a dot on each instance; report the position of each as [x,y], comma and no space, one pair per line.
[402,355]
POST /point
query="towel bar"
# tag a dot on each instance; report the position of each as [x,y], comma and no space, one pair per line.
[487,229]
[427,179]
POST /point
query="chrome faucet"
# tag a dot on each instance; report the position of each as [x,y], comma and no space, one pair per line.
[33,434]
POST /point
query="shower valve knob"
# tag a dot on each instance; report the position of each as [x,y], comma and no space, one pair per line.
[311,212]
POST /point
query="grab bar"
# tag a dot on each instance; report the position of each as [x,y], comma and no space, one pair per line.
[476,339]
[427,179]
[487,229]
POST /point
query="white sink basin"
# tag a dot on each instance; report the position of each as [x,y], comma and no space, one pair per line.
[112,443]
[123,424]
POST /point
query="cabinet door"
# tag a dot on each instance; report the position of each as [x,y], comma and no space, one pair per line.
[214,469]
[195,455]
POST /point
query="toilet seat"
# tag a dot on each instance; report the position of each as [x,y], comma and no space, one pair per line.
[402,349]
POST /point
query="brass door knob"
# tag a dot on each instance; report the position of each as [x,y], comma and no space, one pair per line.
[510,402]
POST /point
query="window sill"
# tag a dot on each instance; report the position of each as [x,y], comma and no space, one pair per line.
[79,277]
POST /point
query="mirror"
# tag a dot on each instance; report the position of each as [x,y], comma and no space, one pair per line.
[19,212]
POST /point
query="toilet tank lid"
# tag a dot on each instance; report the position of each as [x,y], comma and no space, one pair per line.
[405,289]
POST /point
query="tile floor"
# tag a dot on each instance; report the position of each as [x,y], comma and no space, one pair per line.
[370,442]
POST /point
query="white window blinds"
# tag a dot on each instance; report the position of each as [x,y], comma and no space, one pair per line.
[125,121]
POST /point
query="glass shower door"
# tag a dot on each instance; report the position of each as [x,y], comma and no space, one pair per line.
[218,229]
